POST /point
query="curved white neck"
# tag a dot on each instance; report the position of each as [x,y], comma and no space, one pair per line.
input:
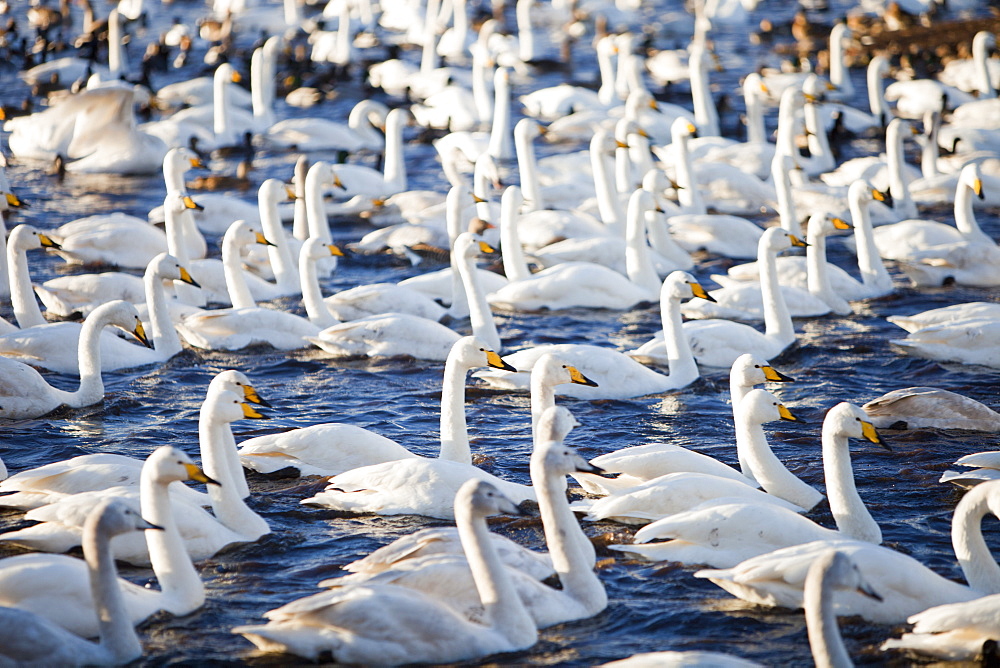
[316,219]
[903,203]
[525,31]
[515,267]
[428,56]
[261,98]
[817,276]
[117,635]
[638,263]
[395,164]
[312,295]
[849,511]
[236,282]
[981,570]
[116,64]
[482,94]
[783,189]
[680,359]
[167,554]
[22,297]
[838,73]
[873,271]
[454,205]
[965,216]
[166,342]
[819,144]
[606,68]
[876,93]
[818,601]
[979,58]
[344,48]
[220,112]
[300,215]
[608,203]
[504,611]
[501,139]
[571,551]
[178,226]
[483,326]
[286,275]
[929,146]
[753,450]
[527,166]
[227,503]
[454,430]
[756,131]
[688,196]
[777,320]
[91,389]
[705,115]
[4,271]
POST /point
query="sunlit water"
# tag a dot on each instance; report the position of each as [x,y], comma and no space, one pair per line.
[651,607]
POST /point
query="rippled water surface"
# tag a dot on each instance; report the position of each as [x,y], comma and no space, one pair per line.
[651,608]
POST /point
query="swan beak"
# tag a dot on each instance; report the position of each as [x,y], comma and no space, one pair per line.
[883,197]
[653,105]
[186,277]
[764,89]
[290,193]
[796,241]
[576,377]
[867,590]
[262,240]
[476,199]
[196,163]
[830,86]
[140,333]
[977,187]
[620,144]
[542,130]
[337,183]
[841,224]
[236,77]
[698,290]
[786,414]
[335,250]
[250,394]
[486,248]
[198,475]
[692,130]
[586,467]
[146,525]
[494,361]
[775,376]
[252,413]
[378,202]
[868,431]
[12,200]
[47,241]
[191,204]
[810,97]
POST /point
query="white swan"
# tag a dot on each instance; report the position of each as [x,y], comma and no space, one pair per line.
[947,315]
[245,324]
[394,334]
[321,134]
[498,142]
[966,341]
[25,394]
[116,239]
[923,407]
[22,239]
[203,533]
[332,448]
[57,577]
[27,639]
[724,534]
[582,595]
[426,486]
[394,625]
[953,631]
[618,376]
[907,586]
[362,180]
[640,463]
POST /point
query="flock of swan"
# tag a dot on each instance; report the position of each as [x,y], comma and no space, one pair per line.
[611,212]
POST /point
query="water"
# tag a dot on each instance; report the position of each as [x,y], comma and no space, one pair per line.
[652,607]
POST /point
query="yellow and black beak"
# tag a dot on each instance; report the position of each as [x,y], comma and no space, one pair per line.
[654,105]
[337,183]
[250,394]
[692,130]
[262,240]
[786,414]
[191,204]
[13,200]
[476,199]
[236,77]
[198,475]
[841,224]
[775,376]
[698,290]
[796,241]
[977,187]
[868,431]
[494,361]
[620,144]
[578,378]
[252,413]
[290,193]
[335,250]
[196,163]
[140,333]
[186,277]
[47,241]
[486,248]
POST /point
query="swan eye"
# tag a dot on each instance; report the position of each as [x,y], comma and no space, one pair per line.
[756,366]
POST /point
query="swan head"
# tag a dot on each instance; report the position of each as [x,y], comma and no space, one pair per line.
[316,249]
[225,407]
[680,285]
[864,193]
[623,129]
[823,224]
[971,178]
[983,42]
[483,499]
[243,233]
[235,381]
[179,160]
[121,314]
[271,192]
[473,353]
[840,571]
[26,237]
[754,87]
[527,129]
[760,406]
[749,370]
[113,517]
[168,464]
[469,244]
[550,454]
[846,419]
[776,239]
[226,74]
[166,266]
[555,371]
[815,88]
[682,129]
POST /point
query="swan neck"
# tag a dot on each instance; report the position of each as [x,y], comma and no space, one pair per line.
[873,271]
[483,326]
[395,164]
[312,295]
[777,319]
[980,56]
[965,216]
[980,568]
[827,645]
[168,556]
[220,111]
[606,68]
[903,204]
[525,31]
[454,429]
[117,636]
[26,309]
[91,388]
[316,218]
[515,267]
[680,360]
[236,283]
[876,93]
[260,96]
[527,166]
[280,254]
[638,263]
[849,511]
[166,342]
[756,131]
[818,142]
[607,196]
[481,93]
[688,196]
[929,152]
[783,189]
[501,140]
[705,114]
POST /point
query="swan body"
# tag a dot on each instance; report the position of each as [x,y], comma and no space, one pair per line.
[115,239]
[331,449]
[25,394]
[947,315]
[953,631]
[618,376]
[965,263]
[929,407]
[27,639]
[967,342]
[394,625]
[56,586]
[321,134]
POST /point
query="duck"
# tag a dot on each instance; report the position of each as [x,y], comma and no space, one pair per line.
[29,639]
[776,578]
[395,334]
[618,376]
[333,448]
[204,534]
[65,578]
[366,624]
[725,533]
[25,394]
[425,486]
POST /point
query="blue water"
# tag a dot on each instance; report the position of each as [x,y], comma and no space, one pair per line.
[652,607]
